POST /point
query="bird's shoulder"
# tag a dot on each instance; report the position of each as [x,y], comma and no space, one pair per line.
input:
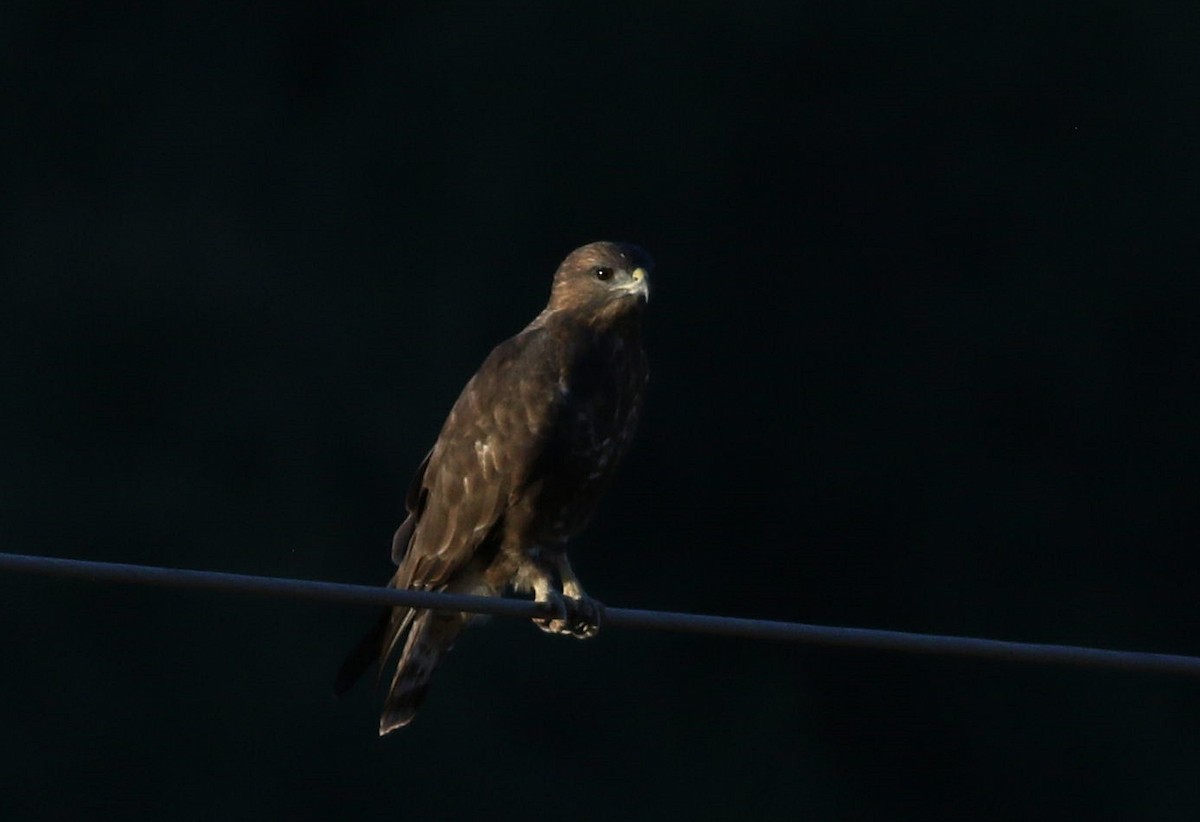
[518,372]
[492,436]
[503,412]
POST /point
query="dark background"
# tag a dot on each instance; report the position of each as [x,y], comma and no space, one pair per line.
[924,344]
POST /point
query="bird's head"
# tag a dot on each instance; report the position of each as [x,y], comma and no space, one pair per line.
[603,279]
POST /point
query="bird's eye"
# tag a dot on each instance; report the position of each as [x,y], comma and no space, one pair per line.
[603,274]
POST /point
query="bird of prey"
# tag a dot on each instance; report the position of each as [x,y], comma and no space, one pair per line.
[522,460]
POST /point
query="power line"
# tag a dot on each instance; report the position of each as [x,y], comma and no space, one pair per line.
[867,638]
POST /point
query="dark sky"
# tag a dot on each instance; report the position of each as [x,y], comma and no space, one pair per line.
[924,350]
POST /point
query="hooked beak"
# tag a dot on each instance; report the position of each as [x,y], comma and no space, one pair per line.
[640,284]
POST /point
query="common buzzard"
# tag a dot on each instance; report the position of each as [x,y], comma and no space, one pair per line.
[521,462]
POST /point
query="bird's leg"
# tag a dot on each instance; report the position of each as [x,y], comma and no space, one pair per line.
[588,613]
[543,592]
[576,614]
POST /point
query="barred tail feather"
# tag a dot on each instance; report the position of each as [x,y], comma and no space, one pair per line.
[430,636]
[377,646]
[425,637]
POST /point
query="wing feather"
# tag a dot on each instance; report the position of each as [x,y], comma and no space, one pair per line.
[488,446]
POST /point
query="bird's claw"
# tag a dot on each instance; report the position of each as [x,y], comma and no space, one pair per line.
[580,618]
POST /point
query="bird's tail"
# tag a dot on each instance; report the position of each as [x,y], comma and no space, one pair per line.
[430,636]
[426,637]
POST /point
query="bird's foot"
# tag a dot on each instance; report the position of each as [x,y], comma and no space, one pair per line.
[580,618]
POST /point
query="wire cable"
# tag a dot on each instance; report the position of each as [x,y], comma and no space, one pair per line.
[829,636]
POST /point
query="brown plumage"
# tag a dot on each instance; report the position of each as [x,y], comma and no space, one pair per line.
[521,462]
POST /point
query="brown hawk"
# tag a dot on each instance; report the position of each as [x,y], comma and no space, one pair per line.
[517,470]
